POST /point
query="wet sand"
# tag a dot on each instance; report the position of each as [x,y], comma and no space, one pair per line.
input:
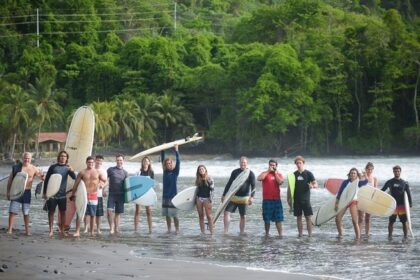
[41,257]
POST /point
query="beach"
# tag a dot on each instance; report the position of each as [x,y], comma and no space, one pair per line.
[40,257]
[190,254]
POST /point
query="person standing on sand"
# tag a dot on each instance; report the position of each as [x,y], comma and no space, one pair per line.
[247,190]
[364,218]
[145,170]
[170,190]
[203,201]
[397,187]
[115,206]
[272,208]
[353,175]
[23,202]
[304,182]
[91,177]
[59,199]
[100,208]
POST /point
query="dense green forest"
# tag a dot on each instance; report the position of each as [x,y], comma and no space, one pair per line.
[257,77]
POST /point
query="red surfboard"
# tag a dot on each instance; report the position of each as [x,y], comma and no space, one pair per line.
[333,185]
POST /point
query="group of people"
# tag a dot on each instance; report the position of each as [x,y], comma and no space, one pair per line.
[299,188]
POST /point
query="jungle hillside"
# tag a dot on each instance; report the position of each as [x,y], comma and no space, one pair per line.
[256,77]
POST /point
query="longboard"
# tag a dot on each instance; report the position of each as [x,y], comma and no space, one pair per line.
[236,185]
[79,141]
[407,213]
[136,186]
[333,185]
[18,186]
[376,202]
[79,146]
[326,212]
[166,146]
[185,200]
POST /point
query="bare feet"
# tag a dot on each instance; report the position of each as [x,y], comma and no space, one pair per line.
[77,234]
[9,232]
[50,234]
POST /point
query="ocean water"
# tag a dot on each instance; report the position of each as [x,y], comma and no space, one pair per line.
[373,257]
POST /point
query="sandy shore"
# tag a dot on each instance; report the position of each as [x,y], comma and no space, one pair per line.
[40,257]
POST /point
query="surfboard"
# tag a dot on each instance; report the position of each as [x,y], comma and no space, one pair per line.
[53,185]
[147,199]
[3,187]
[333,185]
[166,146]
[136,186]
[79,141]
[376,202]
[79,146]
[407,213]
[291,179]
[18,186]
[236,185]
[185,200]
[81,200]
[326,212]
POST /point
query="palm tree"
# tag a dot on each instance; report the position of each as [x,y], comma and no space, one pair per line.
[47,109]
[19,107]
[174,116]
[149,114]
[127,112]
[105,124]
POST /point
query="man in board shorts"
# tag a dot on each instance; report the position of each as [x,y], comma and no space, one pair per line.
[272,208]
[304,182]
[22,203]
[397,187]
[246,190]
[115,207]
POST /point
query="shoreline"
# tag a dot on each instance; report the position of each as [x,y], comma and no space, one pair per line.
[41,257]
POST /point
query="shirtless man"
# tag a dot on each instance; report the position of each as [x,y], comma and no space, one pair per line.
[101,194]
[24,201]
[92,178]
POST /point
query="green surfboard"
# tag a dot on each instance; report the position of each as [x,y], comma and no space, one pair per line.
[292,181]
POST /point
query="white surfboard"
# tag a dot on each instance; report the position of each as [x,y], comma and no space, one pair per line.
[407,213]
[3,187]
[81,200]
[166,146]
[18,186]
[236,185]
[53,185]
[374,201]
[147,199]
[79,141]
[326,212]
[185,200]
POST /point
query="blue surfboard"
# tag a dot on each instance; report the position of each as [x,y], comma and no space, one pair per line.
[136,186]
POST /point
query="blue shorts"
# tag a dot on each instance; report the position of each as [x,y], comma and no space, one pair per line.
[23,202]
[91,210]
[231,207]
[272,211]
[116,203]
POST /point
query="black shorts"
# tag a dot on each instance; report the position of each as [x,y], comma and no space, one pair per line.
[53,202]
[100,207]
[302,206]
[231,207]
[402,217]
